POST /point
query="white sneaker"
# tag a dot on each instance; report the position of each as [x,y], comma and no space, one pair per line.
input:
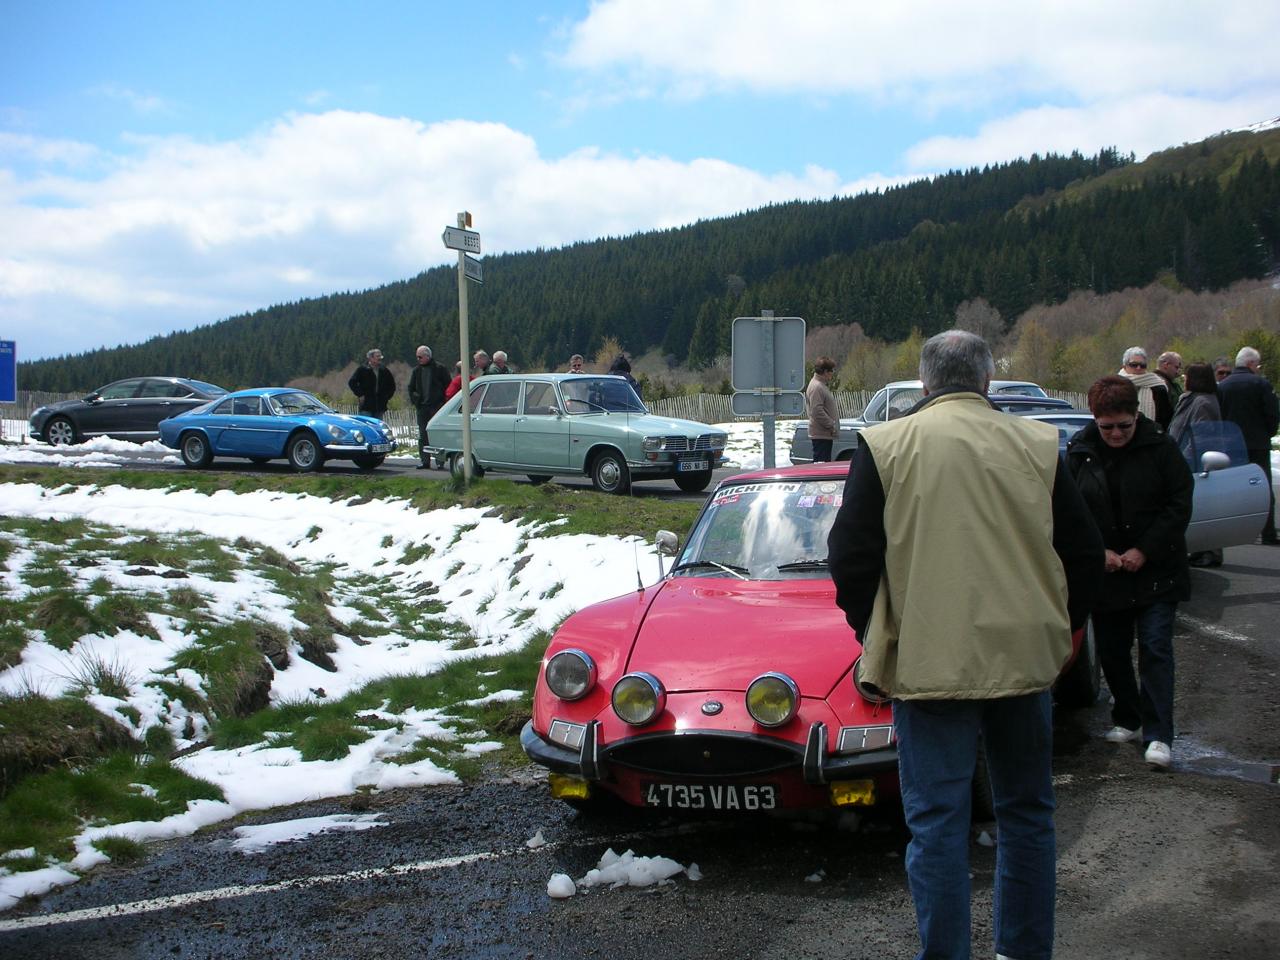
[1158,755]
[1120,734]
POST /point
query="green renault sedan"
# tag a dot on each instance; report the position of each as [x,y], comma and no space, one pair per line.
[572,424]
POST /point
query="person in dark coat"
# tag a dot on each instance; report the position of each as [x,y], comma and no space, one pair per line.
[1249,400]
[621,367]
[427,384]
[1138,488]
[1197,404]
[373,385]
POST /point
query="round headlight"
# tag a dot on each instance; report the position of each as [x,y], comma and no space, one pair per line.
[772,699]
[359,437]
[649,444]
[638,698]
[336,432]
[570,674]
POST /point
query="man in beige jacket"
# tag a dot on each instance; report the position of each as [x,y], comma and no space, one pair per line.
[963,556]
[824,416]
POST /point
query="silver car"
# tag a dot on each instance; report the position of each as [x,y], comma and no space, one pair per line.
[565,424]
[896,398]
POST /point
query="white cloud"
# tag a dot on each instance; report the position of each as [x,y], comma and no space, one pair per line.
[927,48]
[141,103]
[1142,124]
[182,232]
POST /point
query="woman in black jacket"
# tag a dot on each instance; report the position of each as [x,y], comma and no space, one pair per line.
[1138,487]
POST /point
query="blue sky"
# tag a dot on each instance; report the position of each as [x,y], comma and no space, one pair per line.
[168,165]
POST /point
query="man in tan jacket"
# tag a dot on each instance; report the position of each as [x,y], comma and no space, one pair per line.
[824,416]
[963,556]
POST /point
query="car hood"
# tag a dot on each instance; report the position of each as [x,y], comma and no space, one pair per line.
[651,424]
[720,634]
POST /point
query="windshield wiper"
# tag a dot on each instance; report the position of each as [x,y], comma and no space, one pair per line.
[739,572]
[802,564]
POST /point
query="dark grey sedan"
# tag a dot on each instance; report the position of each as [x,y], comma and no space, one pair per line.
[127,410]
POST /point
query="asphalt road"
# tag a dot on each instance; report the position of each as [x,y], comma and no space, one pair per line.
[1150,865]
[156,460]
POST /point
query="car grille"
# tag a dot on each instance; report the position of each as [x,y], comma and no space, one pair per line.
[704,442]
[699,755]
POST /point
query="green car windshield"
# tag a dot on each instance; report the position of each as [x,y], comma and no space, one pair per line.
[293,404]
[600,395]
[772,530]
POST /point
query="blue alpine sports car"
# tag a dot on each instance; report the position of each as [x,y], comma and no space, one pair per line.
[270,423]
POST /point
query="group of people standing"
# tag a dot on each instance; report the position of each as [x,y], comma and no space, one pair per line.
[965,553]
[430,385]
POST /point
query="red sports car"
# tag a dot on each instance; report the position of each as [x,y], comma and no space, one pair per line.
[729,685]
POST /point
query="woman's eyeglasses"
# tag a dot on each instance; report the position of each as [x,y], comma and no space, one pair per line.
[1135,365]
[1122,426]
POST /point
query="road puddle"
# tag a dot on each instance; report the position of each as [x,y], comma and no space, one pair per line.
[1192,756]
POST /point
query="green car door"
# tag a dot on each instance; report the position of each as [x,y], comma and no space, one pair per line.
[542,431]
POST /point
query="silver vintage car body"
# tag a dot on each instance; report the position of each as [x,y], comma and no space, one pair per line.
[565,424]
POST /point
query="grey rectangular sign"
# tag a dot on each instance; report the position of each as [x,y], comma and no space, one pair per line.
[747,404]
[768,352]
[472,268]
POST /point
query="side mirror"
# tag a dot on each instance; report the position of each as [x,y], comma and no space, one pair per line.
[93,398]
[668,543]
[1214,460]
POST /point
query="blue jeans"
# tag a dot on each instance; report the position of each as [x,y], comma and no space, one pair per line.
[937,756]
[1151,706]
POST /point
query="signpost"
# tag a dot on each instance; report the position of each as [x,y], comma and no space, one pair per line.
[464,241]
[767,370]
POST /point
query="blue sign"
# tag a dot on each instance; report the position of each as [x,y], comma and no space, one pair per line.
[8,372]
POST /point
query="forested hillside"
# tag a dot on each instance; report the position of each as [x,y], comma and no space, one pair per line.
[1017,235]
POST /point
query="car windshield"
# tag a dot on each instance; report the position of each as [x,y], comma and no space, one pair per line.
[600,395]
[773,530]
[293,404]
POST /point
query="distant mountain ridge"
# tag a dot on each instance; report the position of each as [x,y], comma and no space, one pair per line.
[1016,234]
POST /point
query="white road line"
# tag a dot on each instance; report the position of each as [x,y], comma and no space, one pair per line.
[228,893]
[302,883]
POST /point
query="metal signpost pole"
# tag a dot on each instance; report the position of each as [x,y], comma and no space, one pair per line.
[464,347]
[766,369]
[460,240]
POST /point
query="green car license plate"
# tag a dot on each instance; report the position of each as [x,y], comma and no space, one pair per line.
[380,447]
[705,796]
[690,466]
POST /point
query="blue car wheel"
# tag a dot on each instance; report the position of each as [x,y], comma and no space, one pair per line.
[304,452]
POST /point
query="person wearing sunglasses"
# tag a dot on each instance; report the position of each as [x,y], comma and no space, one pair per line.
[1153,393]
[1138,488]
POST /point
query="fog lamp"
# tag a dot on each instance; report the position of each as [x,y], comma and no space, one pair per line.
[772,699]
[638,698]
[570,674]
[564,787]
[853,793]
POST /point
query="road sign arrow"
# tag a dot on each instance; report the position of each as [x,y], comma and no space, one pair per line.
[457,239]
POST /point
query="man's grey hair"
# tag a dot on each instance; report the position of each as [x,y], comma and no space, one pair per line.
[1169,355]
[423,349]
[1133,352]
[956,358]
[1246,356]
[375,352]
[499,356]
